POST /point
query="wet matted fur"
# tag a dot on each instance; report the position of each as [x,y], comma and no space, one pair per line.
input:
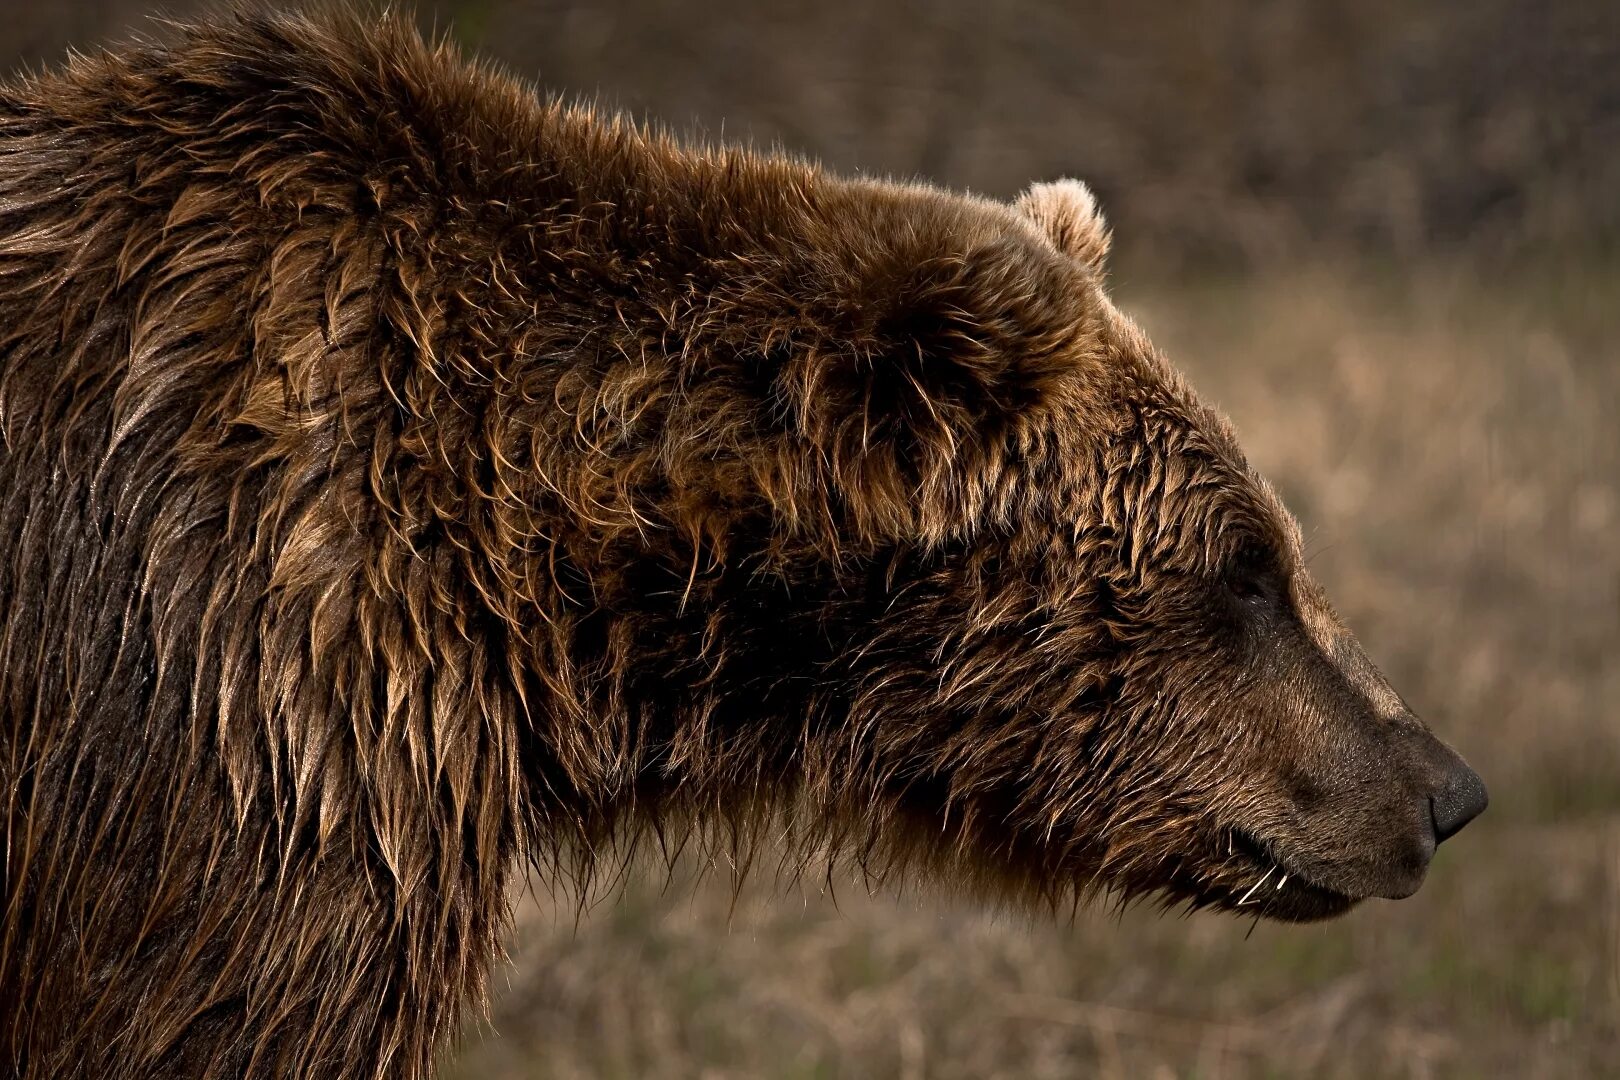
[406,480]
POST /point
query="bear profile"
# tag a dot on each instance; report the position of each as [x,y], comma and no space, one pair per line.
[405,481]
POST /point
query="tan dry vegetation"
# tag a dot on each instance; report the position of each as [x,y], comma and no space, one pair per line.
[1450,446]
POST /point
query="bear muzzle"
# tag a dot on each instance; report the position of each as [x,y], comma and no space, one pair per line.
[1432,794]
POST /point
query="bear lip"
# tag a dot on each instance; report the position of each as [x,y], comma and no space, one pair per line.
[1281,890]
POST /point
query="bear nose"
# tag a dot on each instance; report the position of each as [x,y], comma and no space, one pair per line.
[1461,799]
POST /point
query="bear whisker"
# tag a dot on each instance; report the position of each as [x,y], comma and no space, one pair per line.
[1256,886]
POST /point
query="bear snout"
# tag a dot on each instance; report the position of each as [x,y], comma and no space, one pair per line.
[1437,795]
[1365,819]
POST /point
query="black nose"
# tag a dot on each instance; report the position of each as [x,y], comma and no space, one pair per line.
[1459,801]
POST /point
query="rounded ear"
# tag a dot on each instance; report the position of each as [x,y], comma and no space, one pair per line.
[923,352]
[942,347]
[1066,212]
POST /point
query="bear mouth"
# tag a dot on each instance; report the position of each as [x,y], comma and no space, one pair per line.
[1270,885]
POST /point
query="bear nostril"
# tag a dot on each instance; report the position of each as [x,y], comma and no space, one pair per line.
[1461,800]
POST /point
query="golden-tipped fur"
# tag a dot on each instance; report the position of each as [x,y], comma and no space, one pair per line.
[405,480]
[1067,212]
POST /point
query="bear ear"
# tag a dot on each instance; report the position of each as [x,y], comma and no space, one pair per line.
[925,351]
[1066,212]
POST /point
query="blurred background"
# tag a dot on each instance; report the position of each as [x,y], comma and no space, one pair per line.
[1382,235]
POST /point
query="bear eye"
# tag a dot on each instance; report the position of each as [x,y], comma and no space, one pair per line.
[1245,587]
[1252,572]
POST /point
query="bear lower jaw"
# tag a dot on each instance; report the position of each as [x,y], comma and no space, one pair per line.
[1276,888]
[1301,901]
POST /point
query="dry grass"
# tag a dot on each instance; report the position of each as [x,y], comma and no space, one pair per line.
[1451,447]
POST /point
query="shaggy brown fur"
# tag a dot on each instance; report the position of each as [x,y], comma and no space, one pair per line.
[404,480]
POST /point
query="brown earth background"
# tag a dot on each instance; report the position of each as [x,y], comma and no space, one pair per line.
[1383,237]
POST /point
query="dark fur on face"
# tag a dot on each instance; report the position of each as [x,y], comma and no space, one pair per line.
[404,479]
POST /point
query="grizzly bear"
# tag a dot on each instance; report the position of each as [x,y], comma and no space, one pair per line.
[407,480]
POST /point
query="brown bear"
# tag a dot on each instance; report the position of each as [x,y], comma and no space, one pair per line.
[406,480]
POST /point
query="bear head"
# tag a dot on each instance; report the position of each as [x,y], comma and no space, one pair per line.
[978,588]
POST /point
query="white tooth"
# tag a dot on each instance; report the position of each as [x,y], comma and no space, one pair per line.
[1283,882]
[1253,888]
